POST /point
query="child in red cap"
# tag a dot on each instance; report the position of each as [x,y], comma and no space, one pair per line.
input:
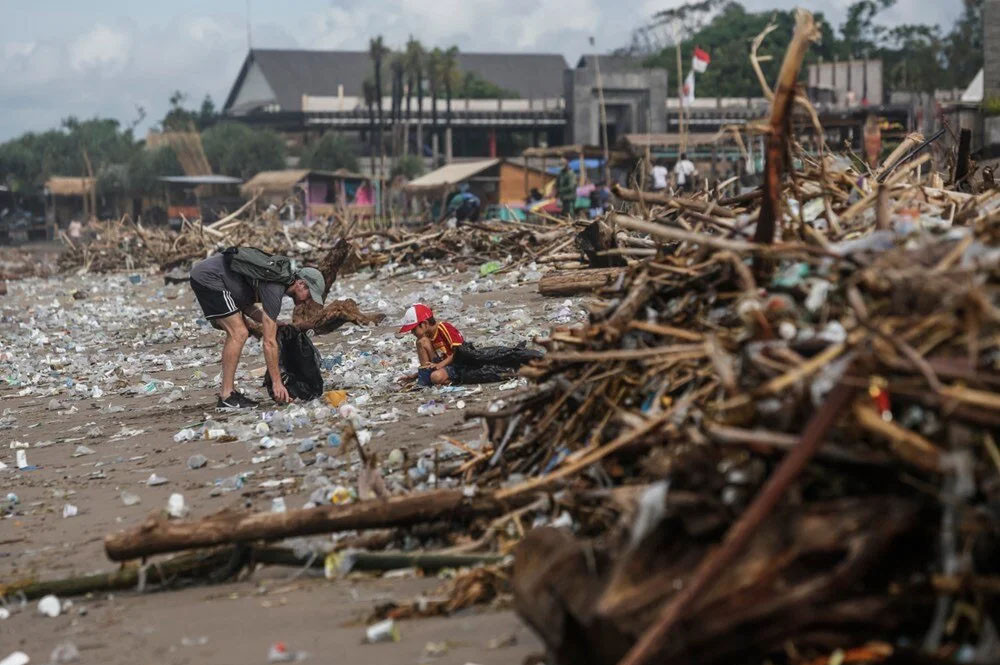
[436,343]
[446,357]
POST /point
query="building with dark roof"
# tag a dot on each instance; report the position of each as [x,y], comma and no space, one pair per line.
[304,93]
[281,77]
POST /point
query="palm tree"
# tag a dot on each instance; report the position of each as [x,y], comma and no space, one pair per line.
[378,51]
[397,67]
[368,90]
[415,75]
[434,62]
[449,75]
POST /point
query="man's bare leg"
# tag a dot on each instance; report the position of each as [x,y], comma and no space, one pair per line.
[236,337]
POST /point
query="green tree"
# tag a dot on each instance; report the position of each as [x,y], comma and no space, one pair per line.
[859,34]
[415,81]
[474,86]
[238,150]
[963,46]
[330,153]
[727,38]
[377,50]
[450,78]
[409,166]
[368,90]
[397,67]
[30,159]
[146,166]
[180,119]
[434,68]
[914,59]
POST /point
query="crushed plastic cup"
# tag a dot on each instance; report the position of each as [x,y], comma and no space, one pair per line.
[197,461]
[176,507]
[82,450]
[383,631]
[16,658]
[49,606]
[22,460]
[65,652]
[278,505]
[69,510]
[155,480]
[185,434]
[129,499]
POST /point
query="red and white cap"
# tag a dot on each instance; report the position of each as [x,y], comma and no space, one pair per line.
[414,316]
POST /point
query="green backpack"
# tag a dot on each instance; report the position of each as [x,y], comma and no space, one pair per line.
[259,266]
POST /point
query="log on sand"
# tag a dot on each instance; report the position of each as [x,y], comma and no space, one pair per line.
[157,535]
[573,282]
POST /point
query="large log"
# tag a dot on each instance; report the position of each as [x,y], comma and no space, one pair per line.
[575,282]
[157,535]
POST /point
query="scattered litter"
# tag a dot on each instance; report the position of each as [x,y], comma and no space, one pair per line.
[176,507]
[155,480]
[49,606]
[383,631]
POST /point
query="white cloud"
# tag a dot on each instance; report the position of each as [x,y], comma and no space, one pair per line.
[103,49]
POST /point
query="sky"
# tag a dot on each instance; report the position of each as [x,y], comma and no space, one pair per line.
[109,57]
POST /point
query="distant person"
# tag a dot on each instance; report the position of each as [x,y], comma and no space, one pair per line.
[464,206]
[566,188]
[600,199]
[226,291]
[660,175]
[685,172]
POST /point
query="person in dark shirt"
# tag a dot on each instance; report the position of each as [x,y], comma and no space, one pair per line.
[225,296]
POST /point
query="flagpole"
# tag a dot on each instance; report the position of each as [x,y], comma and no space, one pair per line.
[680,96]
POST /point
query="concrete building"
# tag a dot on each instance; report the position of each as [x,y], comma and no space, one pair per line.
[991,49]
[634,96]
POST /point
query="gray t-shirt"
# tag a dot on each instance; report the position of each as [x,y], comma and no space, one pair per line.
[212,273]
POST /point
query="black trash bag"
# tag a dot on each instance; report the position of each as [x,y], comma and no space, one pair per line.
[512,357]
[299,364]
[483,374]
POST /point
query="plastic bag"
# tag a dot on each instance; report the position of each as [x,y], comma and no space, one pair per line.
[299,364]
[490,364]
[468,355]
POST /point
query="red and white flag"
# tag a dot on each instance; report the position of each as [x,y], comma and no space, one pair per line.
[700,60]
[689,89]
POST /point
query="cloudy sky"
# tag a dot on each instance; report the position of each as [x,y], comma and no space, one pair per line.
[67,57]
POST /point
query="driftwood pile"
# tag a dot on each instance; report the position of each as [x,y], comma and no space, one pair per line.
[112,246]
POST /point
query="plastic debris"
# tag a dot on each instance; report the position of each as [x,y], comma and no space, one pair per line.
[383,631]
[69,510]
[16,658]
[66,652]
[129,499]
[335,397]
[49,606]
[155,480]
[197,461]
[176,507]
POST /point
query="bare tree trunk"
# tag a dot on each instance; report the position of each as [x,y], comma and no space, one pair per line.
[157,535]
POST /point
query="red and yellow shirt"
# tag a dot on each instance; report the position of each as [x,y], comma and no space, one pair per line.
[446,338]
